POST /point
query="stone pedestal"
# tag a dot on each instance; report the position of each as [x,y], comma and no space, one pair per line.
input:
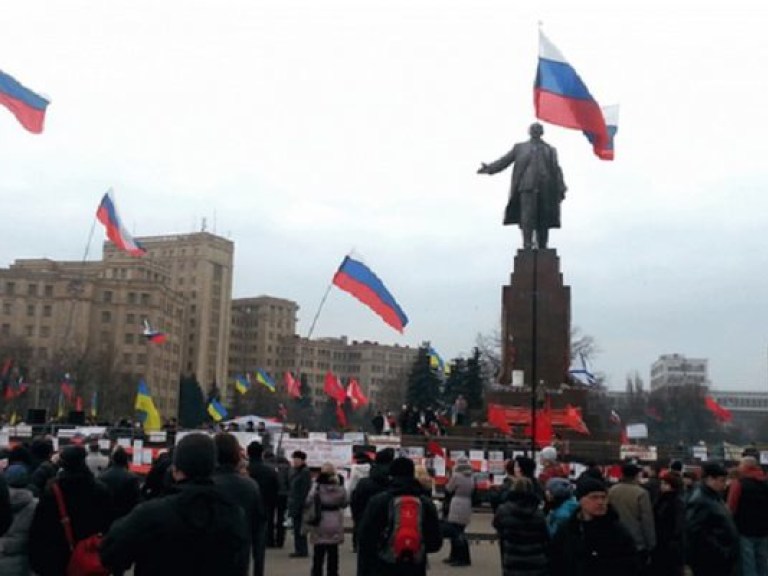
[536,321]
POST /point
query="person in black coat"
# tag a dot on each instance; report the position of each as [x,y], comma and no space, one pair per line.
[376,482]
[593,542]
[283,468]
[523,533]
[123,484]
[668,557]
[6,514]
[300,484]
[89,507]
[245,491]
[42,470]
[711,537]
[266,477]
[374,524]
[193,530]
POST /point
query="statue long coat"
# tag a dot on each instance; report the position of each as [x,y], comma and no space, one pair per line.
[552,188]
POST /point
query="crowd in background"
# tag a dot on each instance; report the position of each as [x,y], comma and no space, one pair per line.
[209,507]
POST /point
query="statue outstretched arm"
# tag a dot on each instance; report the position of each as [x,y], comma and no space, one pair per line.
[500,164]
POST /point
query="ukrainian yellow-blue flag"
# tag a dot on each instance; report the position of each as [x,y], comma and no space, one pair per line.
[262,377]
[216,410]
[436,362]
[242,383]
[148,414]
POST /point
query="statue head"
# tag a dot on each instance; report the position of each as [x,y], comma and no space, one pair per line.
[536,130]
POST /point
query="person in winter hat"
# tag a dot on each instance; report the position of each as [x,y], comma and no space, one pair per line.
[523,534]
[324,519]
[460,486]
[14,545]
[593,541]
[560,502]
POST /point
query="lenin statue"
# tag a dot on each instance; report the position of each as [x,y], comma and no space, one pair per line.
[537,187]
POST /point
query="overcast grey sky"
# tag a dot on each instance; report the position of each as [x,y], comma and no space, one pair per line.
[304,129]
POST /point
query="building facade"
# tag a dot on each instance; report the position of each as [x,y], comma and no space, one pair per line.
[199,268]
[672,370]
[87,318]
[258,327]
[375,366]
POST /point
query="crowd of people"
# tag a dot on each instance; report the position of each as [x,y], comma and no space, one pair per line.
[209,507]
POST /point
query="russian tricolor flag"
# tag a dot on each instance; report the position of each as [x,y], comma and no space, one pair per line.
[27,106]
[120,237]
[356,278]
[562,98]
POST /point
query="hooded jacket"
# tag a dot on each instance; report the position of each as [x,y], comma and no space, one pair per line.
[523,535]
[332,500]
[14,545]
[711,537]
[461,486]
[194,531]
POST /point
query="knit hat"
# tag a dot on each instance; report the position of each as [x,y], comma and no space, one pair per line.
[673,479]
[560,488]
[549,453]
[195,455]
[586,485]
[630,470]
[17,476]
[402,468]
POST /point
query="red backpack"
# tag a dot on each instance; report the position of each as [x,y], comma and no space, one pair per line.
[85,559]
[402,541]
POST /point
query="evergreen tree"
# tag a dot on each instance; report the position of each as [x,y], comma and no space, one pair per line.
[423,382]
[455,383]
[474,382]
[191,403]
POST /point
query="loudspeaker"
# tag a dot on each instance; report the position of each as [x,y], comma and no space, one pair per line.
[76,417]
[36,416]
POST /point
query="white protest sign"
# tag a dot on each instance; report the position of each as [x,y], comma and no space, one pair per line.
[338,452]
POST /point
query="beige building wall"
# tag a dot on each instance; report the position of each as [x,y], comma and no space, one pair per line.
[199,267]
[258,326]
[95,309]
[372,364]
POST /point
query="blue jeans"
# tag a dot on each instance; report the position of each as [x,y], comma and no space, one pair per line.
[754,556]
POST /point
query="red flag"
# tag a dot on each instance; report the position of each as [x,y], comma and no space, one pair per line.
[721,414]
[542,435]
[435,449]
[497,418]
[333,388]
[292,386]
[79,404]
[624,438]
[340,415]
[6,369]
[66,388]
[355,394]
[574,420]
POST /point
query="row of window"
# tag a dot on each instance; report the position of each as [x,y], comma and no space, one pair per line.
[32,289]
[47,309]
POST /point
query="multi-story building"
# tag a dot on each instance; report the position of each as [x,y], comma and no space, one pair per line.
[258,326]
[67,312]
[372,364]
[199,268]
[676,370]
